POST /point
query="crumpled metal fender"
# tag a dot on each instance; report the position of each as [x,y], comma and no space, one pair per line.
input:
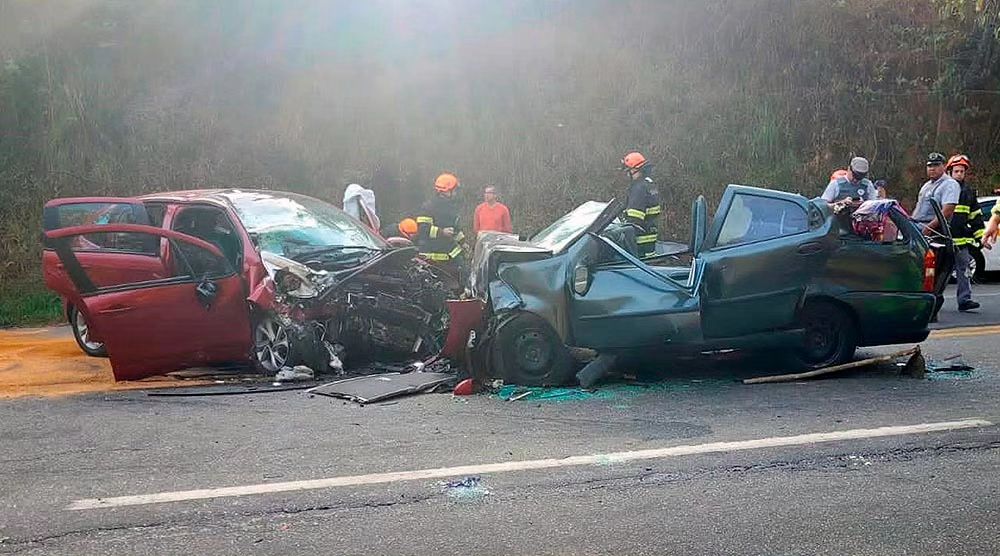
[263,295]
[538,287]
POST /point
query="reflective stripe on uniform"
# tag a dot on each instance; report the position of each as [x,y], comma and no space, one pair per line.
[978,234]
[961,241]
[636,213]
[435,256]
[653,211]
[649,238]
[455,252]
[434,232]
[459,237]
[976,213]
[960,209]
[425,220]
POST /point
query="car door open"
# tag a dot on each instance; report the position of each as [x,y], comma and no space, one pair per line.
[198,315]
[109,257]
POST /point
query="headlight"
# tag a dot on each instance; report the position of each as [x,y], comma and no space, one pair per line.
[581,279]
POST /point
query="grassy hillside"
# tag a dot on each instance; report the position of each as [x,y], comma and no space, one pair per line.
[539,97]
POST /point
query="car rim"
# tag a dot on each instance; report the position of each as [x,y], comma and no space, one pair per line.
[821,340]
[83,332]
[271,344]
[533,350]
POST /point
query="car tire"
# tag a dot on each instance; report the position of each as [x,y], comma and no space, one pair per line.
[830,338]
[978,267]
[81,332]
[273,348]
[527,352]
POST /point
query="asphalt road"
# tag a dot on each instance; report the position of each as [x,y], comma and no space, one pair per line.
[906,492]
[988,295]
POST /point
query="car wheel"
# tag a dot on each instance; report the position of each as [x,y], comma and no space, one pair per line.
[272,346]
[830,336]
[977,267]
[81,331]
[528,352]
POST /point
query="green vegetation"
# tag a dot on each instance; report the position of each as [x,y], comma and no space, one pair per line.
[541,98]
[29,306]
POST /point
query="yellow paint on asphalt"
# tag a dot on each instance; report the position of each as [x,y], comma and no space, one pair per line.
[964,332]
[47,363]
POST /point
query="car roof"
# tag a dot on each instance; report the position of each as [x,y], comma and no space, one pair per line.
[216,196]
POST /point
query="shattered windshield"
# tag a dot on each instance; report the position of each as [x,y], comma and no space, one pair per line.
[562,232]
[293,225]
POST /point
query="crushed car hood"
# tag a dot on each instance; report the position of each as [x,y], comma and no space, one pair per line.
[494,248]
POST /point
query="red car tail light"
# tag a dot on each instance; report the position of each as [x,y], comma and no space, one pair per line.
[930,261]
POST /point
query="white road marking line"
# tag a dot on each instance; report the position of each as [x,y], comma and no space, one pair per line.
[506,467]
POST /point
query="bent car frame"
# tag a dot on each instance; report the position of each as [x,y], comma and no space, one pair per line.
[192,278]
[773,271]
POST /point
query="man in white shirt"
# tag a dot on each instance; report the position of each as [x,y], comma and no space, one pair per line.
[946,191]
[940,187]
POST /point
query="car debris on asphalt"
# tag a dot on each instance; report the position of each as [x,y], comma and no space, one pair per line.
[379,387]
[914,366]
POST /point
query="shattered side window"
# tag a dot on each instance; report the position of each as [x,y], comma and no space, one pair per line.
[753,218]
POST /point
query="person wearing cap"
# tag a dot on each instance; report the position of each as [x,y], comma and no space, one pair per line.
[946,191]
[940,187]
[853,184]
[491,215]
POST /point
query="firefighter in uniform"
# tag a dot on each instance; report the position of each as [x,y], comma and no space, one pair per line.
[967,229]
[438,236]
[642,208]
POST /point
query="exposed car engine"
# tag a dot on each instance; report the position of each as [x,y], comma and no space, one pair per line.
[391,306]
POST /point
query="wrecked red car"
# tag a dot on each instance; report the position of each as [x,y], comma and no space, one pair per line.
[204,278]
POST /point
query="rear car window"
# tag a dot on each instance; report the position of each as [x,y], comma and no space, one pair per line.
[119,242]
[102,213]
[752,218]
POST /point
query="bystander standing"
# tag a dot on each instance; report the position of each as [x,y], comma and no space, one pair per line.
[492,215]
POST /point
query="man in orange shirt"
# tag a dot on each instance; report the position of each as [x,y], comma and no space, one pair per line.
[492,215]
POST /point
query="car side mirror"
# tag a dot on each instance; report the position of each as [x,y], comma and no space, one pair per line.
[207,291]
[581,279]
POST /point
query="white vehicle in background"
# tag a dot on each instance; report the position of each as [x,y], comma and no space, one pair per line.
[985,261]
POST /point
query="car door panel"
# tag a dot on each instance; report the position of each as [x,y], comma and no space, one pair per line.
[160,325]
[626,308]
[759,260]
[108,262]
[629,304]
[163,328]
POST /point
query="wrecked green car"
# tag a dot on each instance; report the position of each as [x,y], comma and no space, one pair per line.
[773,271]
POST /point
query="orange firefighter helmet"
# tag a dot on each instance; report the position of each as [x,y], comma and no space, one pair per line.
[633,161]
[958,160]
[408,227]
[445,182]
